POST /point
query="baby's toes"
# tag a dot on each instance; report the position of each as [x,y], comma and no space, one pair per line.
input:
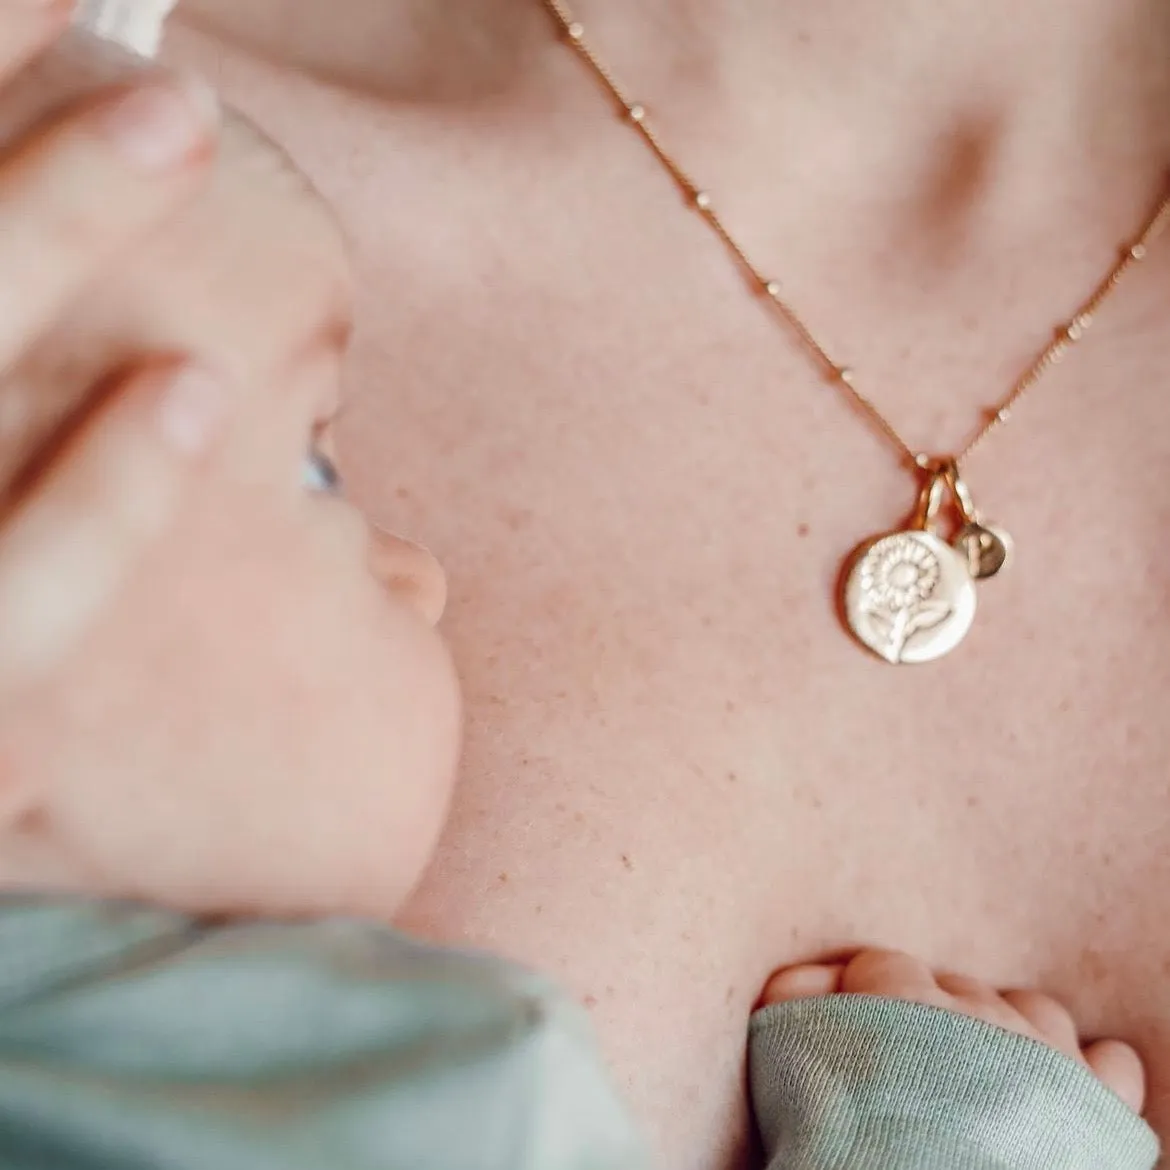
[1119,1068]
[805,982]
[979,1000]
[1115,1063]
[1047,1020]
[885,973]
[893,974]
[967,989]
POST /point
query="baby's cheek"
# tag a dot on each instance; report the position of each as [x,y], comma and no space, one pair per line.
[257,728]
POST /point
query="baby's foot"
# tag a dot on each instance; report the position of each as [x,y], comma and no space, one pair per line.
[894,975]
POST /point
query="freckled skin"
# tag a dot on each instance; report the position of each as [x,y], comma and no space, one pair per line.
[658,623]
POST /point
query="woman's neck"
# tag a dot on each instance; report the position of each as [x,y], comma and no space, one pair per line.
[1075,90]
[411,49]
[1097,54]
[877,35]
[998,41]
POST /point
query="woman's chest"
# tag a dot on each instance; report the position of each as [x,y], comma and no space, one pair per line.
[644,600]
[681,772]
[645,496]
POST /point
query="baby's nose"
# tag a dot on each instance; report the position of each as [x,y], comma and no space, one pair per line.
[410,572]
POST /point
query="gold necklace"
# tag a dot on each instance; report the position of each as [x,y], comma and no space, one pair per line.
[907,595]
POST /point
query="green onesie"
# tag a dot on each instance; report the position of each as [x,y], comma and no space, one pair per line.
[133,1039]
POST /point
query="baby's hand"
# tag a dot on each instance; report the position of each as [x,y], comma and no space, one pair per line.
[247,269]
[1028,1013]
[78,193]
[82,183]
[72,542]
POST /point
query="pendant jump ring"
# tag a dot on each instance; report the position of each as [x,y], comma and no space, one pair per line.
[960,492]
[930,499]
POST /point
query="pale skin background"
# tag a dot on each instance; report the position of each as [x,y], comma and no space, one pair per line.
[679,773]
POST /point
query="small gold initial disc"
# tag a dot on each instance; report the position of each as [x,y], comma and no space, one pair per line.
[908,596]
[987,548]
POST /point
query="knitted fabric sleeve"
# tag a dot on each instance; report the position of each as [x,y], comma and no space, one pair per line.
[854,1082]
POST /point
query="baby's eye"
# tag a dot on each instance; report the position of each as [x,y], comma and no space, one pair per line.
[319,473]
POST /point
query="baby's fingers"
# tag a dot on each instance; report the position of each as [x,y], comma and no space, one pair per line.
[80,188]
[26,27]
[118,484]
[1121,1069]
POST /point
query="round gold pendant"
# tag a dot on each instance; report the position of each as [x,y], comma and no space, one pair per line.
[909,597]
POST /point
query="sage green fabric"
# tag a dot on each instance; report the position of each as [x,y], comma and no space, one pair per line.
[134,1039]
[137,1040]
[856,1082]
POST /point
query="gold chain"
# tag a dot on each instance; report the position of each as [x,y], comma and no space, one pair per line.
[700,200]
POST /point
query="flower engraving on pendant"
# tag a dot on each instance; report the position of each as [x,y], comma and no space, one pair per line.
[900,576]
[909,597]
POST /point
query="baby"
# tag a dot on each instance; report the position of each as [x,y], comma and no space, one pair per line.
[226,763]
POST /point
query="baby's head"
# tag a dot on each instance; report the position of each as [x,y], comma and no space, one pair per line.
[267,721]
